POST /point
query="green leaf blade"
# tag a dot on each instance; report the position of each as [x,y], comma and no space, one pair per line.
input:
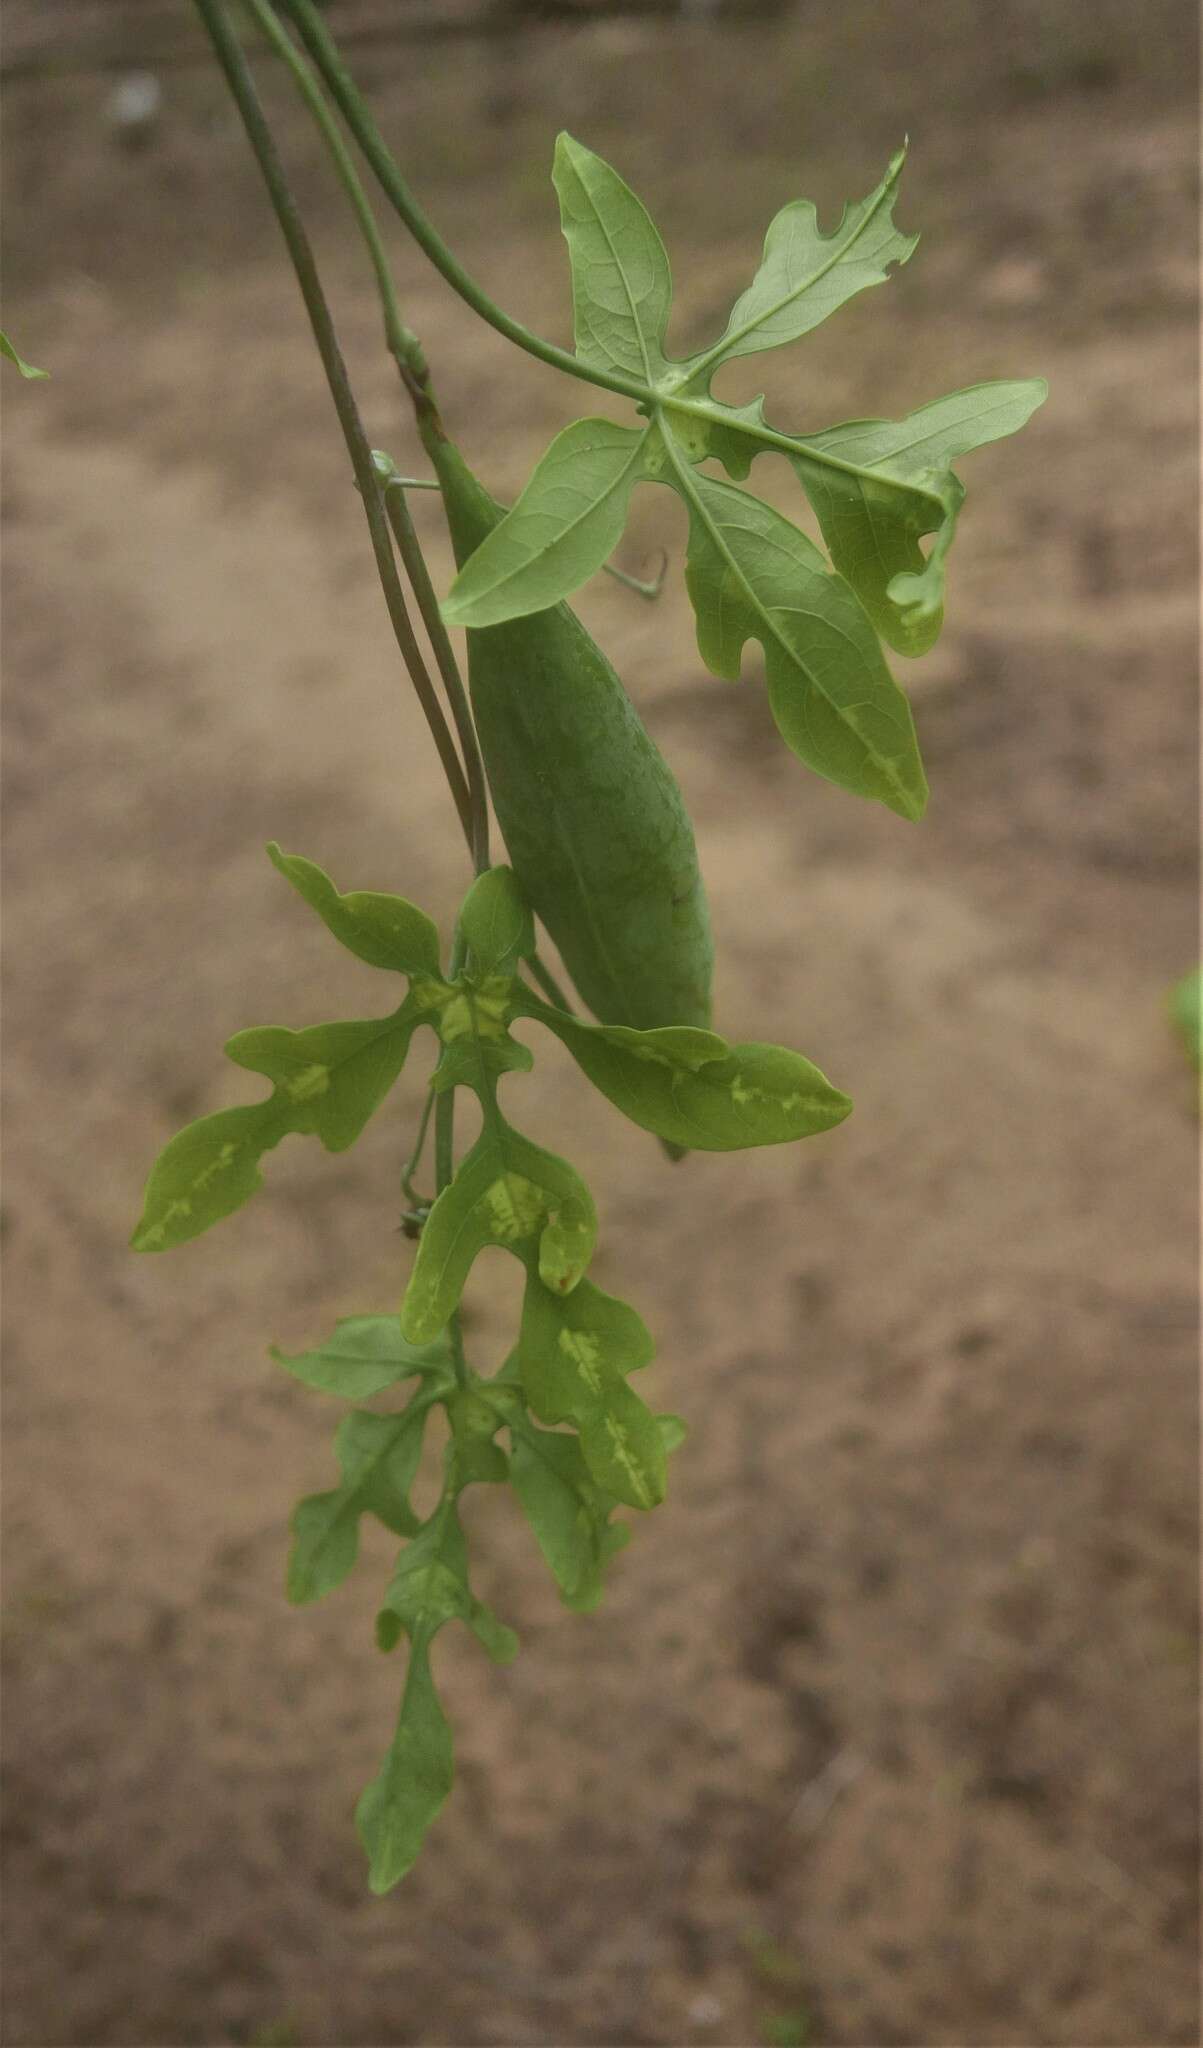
[378,1457]
[621,282]
[386,931]
[414,1782]
[573,1357]
[691,1088]
[206,1172]
[805,276]
[569,518]
[28,370]
[363,1356]
[497,923]
[879,486]
[752,575]
[330,1078]
[509,1192]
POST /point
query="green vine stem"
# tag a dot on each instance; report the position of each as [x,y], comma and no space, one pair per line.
[318,41]
[242,87]
[406,350]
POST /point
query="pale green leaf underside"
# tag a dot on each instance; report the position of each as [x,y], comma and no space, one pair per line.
[694,1089]
[569,518]
[328,1081]
[805,276]
[753,576]
[386,931]
[621,283]
[878,486]
[363,1356]
[26,369]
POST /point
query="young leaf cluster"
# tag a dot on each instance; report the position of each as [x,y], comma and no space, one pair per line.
[579,1441]
[878,488]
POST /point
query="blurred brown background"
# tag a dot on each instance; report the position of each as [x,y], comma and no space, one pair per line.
[886,1733]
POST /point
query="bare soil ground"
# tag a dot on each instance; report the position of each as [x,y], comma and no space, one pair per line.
[887,1733]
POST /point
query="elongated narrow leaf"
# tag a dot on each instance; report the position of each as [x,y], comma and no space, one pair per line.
[506,1191]
[26,369]
[569,518]
[378,1456]
[753,576]
[805,276]
[363,1356]
[692,1088]
[328,1079]
[414,1779]
[879,486]
[573,1356]
[496,922]
[386,931]
[621,283]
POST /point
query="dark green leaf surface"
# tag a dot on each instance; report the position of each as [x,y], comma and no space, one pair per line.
[430,1587]
[414,1779]
[386,931]
[567,1510]
[363,1356]
[378,1457]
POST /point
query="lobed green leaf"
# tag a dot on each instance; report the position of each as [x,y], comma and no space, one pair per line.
[751,575]
[386,931]
[573,1357]
[378,1456]
[329,1079]
[567,1510]
[879,486]
[364,1355]
[506,1191]
[805,276]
